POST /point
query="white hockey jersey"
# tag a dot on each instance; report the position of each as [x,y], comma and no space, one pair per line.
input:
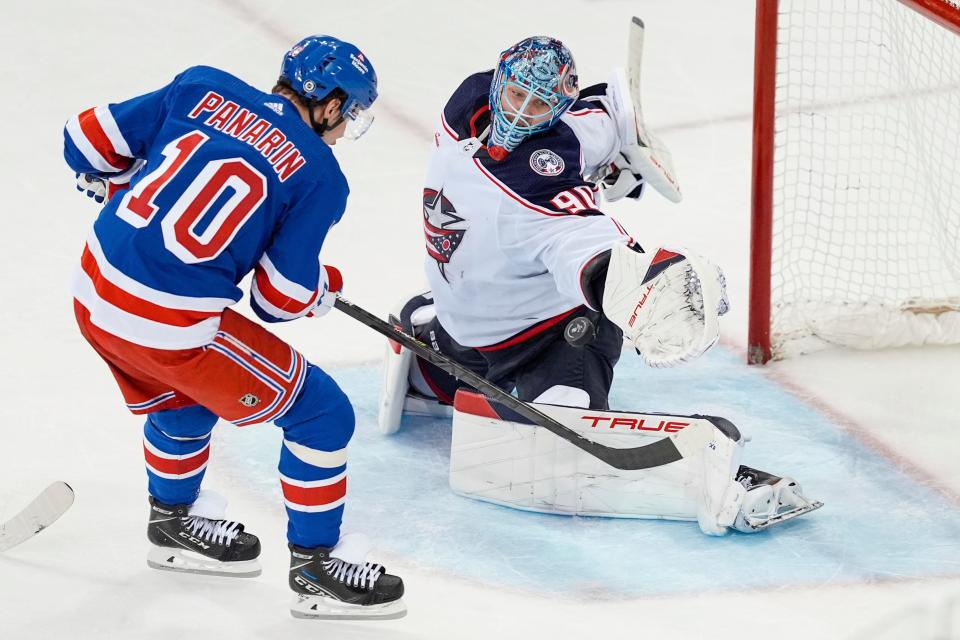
[507,241]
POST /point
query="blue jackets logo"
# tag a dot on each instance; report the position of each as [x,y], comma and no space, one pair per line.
[443,229]
[546,162]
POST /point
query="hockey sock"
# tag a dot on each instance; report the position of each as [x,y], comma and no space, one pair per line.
[176,445]
[313,461]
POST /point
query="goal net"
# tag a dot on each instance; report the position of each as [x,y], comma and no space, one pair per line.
[856,195]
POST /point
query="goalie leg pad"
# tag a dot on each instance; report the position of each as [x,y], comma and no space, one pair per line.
[496,456]
[404,390]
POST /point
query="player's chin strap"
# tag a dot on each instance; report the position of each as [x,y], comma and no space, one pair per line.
[323,126]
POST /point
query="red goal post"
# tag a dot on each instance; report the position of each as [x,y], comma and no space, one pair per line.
[855,235]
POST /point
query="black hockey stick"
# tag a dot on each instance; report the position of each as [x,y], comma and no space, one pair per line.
[655,454]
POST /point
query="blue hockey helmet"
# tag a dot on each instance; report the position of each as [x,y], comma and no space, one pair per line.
[318,64]
[534,84]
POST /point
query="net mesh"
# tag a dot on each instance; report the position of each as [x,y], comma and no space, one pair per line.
[866,227]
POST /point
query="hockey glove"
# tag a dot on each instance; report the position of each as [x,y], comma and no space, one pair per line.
[622,181]
[102,188]
[92,186]
[668,307]
[332,285]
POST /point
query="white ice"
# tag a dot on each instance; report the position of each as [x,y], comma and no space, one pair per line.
[872,434]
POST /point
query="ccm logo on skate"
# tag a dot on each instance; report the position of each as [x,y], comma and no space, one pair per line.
[200,543]
[667,426]
[306,584]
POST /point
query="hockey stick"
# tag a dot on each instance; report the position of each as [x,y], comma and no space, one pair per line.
[655,454]
[36,516]
[658,171]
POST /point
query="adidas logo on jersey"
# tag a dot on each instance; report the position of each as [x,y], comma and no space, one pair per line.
[276,107]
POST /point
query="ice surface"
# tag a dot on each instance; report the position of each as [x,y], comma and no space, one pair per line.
[878,522]
[887,423]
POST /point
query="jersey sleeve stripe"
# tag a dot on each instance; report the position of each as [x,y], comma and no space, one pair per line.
[91,130]
[622,231]
[113,133]
[282,292]
[89,152]
[277,295]
[266,304]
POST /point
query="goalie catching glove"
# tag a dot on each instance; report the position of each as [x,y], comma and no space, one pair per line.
[668,307]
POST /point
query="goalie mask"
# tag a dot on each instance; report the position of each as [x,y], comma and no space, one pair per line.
[534,84]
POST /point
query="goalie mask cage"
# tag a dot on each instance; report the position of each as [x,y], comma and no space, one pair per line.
[856,175]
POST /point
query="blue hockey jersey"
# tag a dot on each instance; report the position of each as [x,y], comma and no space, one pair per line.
[224,179]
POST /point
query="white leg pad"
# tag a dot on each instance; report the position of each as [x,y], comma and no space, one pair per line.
[396,382]
[527,467]
[721,494]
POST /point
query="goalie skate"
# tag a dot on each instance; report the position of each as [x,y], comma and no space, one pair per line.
[196,539]
[769,500]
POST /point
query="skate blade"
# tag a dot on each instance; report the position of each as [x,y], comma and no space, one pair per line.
[323,608]
[169,559]
[784,516]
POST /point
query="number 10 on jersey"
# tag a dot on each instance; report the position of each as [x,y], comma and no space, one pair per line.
[179,223]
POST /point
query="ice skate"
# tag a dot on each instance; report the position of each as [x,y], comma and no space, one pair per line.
[197,539]
[769,500]
[338,584]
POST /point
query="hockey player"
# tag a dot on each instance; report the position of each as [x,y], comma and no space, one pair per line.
[208,179]
[532,286]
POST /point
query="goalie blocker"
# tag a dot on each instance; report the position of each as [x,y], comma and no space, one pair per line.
[500,457]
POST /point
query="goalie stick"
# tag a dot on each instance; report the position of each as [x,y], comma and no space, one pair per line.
[36,516]
[669,449]
[659,172]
